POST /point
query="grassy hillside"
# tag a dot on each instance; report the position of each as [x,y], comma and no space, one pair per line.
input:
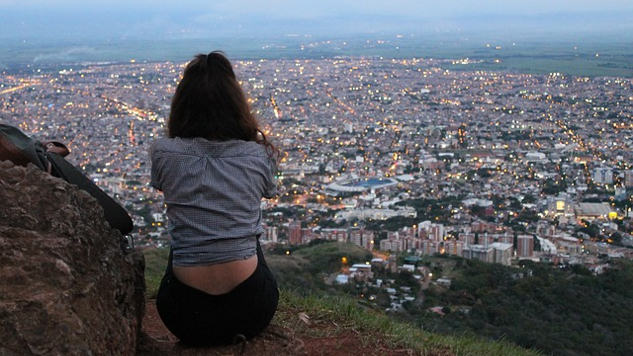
[560,311]
[315,316]
[346,316]
[306,269]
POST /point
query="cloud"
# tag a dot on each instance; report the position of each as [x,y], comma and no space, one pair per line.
[67,55]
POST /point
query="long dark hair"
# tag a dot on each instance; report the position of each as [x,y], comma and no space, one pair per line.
[210,103]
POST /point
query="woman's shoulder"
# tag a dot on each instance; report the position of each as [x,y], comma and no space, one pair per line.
[246,147]
[163,143]
[203,147]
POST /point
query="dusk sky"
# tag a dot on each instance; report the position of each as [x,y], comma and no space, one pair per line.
[118,19]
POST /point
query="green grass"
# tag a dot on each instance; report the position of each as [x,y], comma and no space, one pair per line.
[155,263]
[344,314]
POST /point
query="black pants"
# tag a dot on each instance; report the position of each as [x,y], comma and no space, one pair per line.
[198,318]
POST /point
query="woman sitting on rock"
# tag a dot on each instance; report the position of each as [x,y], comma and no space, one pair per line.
[213,168]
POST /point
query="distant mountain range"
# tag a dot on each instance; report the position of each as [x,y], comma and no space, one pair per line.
[590,55]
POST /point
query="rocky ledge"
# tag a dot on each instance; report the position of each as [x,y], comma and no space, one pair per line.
[68,285]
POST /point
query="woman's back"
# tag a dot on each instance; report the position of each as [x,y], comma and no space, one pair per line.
[213,192]
[214,168]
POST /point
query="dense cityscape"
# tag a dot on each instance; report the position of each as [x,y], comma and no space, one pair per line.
[391,155]
[454,178]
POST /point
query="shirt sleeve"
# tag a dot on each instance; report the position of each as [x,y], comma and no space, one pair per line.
[155,170]
[271,179]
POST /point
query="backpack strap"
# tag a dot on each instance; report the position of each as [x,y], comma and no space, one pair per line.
[115,214]
[56,147]
[49,156]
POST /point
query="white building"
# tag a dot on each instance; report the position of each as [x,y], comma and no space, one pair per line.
[603,175]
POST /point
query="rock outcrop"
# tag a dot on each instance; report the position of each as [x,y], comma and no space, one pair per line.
[67,287]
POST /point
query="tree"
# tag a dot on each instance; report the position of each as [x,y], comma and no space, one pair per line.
[529,199]
[616,238]
[590,229]
[515,204]
[537,243]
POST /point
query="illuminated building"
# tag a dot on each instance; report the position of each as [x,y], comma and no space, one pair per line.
[593,211]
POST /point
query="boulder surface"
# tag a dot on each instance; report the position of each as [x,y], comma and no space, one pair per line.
[68,286]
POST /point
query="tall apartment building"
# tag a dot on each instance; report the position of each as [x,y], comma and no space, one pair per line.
[363,238]
[603,175]
[525,246]
[294,232]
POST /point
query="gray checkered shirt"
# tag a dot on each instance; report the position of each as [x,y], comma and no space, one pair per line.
[213,192]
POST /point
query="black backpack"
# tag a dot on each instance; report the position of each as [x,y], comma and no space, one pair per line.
[20,149]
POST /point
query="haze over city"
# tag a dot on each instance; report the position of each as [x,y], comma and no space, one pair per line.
[68,20]
[65,31]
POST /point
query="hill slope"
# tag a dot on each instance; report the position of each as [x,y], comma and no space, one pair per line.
[319,324]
